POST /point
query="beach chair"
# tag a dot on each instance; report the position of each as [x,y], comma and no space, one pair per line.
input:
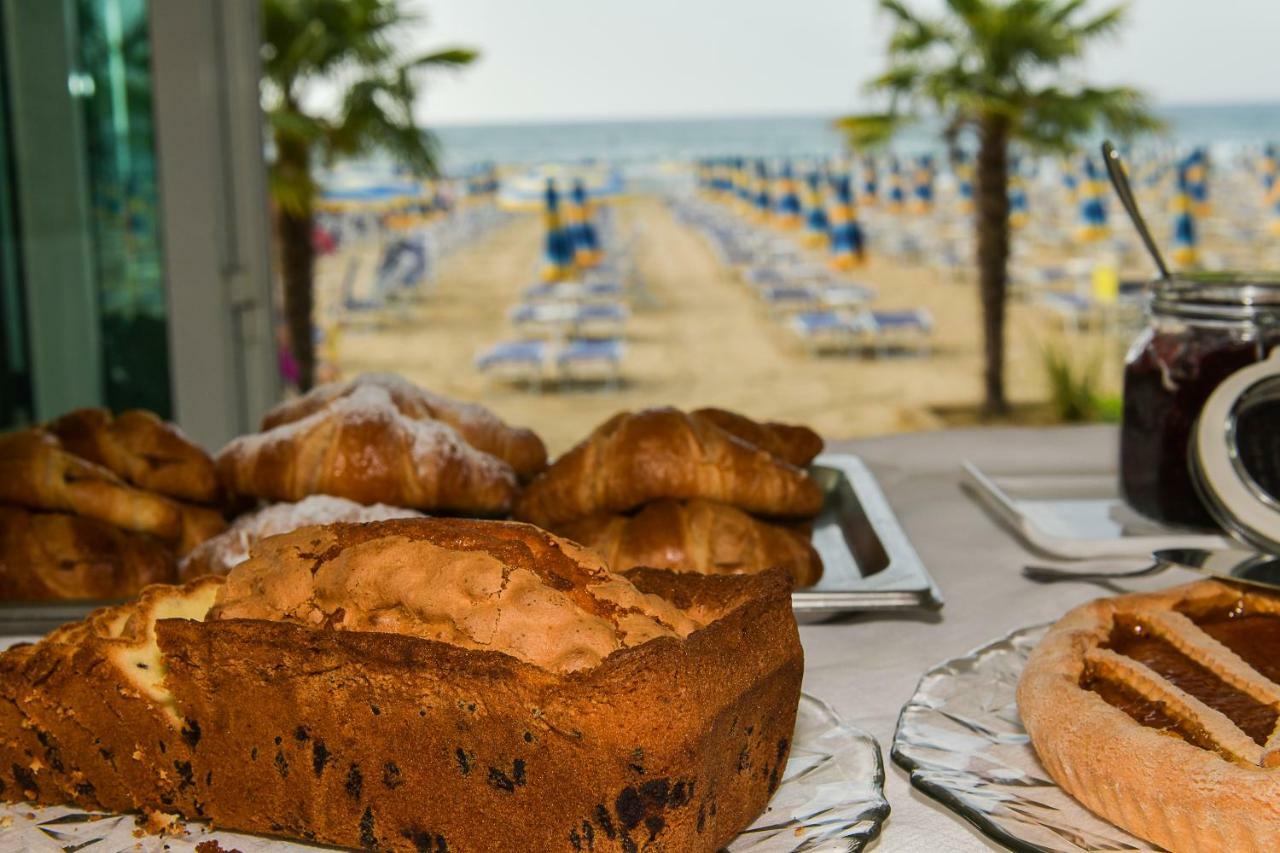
[909,329]
[822,331]
[591,359]
[571,319]
[845,295]
[522,361]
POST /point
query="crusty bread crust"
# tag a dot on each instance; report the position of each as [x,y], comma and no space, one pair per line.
[1155,785]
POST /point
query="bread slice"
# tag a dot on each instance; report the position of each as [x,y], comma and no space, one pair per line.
[656,711]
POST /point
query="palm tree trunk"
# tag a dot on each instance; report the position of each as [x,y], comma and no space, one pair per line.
[992,223]
[297,262]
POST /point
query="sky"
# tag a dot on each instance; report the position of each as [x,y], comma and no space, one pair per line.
[548,60]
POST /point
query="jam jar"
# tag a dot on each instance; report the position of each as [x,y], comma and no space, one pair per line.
[1202,327]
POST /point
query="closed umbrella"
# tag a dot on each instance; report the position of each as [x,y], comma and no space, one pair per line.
[817,226]
[870,181]
[1271,186]
[1093,209]
[897,196]
[586,241]
[964,182]
[1184,222]
[848,244]
[1197,169]
[922,184]
[788,210]
[557,256]
[763,199]
[1019,213]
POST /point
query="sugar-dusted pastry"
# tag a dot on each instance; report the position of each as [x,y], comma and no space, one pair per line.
[664,453]
[1159,712]
[792,443]
[142,449]
[220,554]
[482,429]
[52,555]
[697,536]
[362,447]
[420,684]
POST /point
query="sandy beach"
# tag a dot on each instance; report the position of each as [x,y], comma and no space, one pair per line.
[706,340]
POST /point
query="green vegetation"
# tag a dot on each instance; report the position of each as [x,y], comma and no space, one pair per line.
[1007,71]
[351,44]
[1074,383]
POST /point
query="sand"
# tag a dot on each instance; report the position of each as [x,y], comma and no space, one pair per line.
[706,341]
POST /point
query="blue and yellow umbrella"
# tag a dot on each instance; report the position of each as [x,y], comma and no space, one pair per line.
[1184,221]
[1271,186]
[760,187]
[922,184]
[1196,167]
[1019,212]
[817,226]
[964,183]
[870,181]
[1093,209]
[788,213]
[586,242]
[897,196]
[557,256]
[848,243]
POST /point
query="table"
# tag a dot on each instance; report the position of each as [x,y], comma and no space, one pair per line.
[867,666]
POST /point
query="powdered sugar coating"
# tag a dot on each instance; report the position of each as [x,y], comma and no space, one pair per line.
[223,552]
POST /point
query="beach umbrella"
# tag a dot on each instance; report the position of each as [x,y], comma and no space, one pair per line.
[848,243]
[1019,214]
[870,181]
[557,256]
[763,200]
[744,196]
[1093,209]
[586,241]
[816,224]
[1184,222]
[1197,179]
[963,169]
[897,196]
[788,209]
[922,184]
[1271,185]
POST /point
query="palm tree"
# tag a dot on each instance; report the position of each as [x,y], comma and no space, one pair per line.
[1006,70]
[350,42]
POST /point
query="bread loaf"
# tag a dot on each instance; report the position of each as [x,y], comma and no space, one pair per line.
[49,555]
[697,536]
[361,447]
[421,684]
[142,449]
[479,427]
[664,453]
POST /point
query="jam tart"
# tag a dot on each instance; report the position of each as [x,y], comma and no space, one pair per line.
[1161,713]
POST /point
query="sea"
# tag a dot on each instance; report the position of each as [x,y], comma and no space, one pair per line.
[641,146]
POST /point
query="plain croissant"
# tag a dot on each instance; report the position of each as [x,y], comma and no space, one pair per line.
[790,442]
[664,453]
[361,447]
[481,428]
[697,536]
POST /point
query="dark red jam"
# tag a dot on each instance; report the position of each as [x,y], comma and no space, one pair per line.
[1166,385]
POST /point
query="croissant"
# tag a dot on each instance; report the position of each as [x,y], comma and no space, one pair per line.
[792,443]
[361,447]
[664,453]
[479,427]
[696,536]
[142,449]
[51,555]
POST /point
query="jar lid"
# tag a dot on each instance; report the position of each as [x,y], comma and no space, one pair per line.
[1218,295]
[1235,454]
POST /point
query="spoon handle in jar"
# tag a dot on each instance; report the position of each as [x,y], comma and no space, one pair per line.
[1115,170]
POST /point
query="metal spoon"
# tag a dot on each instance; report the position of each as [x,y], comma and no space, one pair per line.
[1115,170]
[1241,566]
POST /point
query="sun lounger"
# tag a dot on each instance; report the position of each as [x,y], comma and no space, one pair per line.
[910,329]
[829,330]
[582,359]
[788,298]
[519,361]
[571,319]
[845,295]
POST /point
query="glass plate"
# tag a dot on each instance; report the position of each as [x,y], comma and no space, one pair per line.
[961,739]
[831,799]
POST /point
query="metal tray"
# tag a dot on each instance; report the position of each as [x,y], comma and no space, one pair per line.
[868,563]
[831,799]
[1076,514]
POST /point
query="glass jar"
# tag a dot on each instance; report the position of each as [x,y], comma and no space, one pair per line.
[1201,329]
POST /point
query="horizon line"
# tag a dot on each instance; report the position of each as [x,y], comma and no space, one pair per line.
[645,118]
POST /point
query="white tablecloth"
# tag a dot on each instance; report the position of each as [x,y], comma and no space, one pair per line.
[867,666]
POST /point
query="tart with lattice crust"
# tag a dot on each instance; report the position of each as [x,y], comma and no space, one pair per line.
[1159,712]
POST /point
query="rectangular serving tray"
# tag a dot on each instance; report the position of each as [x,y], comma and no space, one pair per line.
[868,564]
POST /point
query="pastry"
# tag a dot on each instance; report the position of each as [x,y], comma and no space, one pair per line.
[664,453]
[53,555]
[141,449]
[697,536]
[421,684]
[789,442]
[479,427]
[1159,713]
[361,447]
[220,554]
